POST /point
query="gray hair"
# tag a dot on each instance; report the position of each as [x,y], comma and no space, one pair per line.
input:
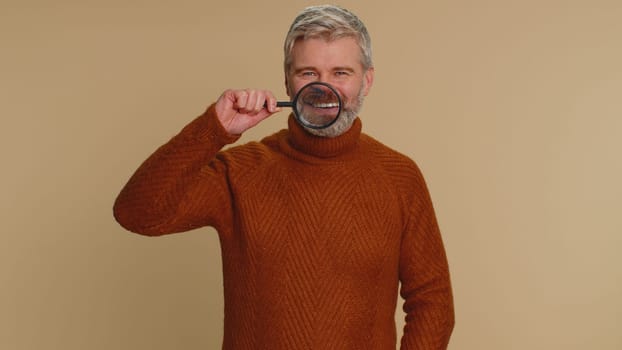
[328,22]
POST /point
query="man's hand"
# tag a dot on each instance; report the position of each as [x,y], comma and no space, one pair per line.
[240,110]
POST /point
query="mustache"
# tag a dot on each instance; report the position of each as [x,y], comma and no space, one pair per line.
[320,97]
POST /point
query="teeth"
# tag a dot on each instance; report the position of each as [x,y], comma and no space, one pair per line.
[326,105]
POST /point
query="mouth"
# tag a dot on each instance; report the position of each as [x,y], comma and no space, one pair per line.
[319,113]
[320,97]
[324,105]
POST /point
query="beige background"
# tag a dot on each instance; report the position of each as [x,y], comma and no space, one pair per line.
[511,108]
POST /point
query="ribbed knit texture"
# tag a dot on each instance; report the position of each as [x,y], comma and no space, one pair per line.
[316,234]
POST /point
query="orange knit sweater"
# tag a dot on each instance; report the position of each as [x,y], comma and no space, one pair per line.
[316,234]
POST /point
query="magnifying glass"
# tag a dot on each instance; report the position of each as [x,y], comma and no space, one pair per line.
[316,105]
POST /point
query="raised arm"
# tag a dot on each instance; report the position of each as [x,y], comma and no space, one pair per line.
[183,185]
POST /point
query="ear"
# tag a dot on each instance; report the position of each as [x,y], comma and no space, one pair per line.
[369,80]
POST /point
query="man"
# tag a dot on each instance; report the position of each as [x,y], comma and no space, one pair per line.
[317,227]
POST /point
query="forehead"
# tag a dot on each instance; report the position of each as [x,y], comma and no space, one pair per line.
[322,53]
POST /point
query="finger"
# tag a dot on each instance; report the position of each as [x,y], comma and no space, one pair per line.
[271,102]
[241,99]
[260,101]
[251,103]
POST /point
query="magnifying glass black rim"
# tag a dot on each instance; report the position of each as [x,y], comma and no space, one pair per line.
[315,126]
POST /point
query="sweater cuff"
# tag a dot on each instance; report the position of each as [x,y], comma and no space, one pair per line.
[212,130]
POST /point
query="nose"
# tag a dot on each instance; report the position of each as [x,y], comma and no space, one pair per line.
[327,78]
[322,76]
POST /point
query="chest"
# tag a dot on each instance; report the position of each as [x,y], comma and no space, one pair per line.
[340,220]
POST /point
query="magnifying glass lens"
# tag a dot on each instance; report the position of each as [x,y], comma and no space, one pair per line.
[317,105]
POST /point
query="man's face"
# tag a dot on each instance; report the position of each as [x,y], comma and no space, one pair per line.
[337,63]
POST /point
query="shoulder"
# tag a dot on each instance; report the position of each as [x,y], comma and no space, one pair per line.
[387,157]
[250,159]
[403,173]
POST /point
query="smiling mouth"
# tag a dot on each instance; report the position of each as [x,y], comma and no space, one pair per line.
[325,105]
[319,102]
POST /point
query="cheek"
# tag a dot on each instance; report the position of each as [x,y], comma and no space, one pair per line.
[351,93]
[294,88]
[294,84]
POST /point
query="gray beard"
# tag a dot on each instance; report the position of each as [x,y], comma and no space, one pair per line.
[344,121]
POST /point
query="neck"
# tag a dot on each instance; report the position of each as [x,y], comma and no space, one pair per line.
[320,146]
[341,125]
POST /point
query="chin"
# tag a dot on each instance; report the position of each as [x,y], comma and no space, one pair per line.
[344,121]
[343,124]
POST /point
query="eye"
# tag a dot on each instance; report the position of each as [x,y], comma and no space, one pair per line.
[308,73]
[342,73]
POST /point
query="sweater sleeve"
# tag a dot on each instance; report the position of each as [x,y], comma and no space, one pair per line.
[182,185]
[424,276]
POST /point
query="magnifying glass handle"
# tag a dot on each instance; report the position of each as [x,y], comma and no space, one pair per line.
[284,104]
[281,104]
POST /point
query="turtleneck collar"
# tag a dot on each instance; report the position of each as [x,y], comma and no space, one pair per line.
[323,147]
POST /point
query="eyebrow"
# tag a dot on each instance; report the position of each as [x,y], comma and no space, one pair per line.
[301,69]
[349,69]
[311,68]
